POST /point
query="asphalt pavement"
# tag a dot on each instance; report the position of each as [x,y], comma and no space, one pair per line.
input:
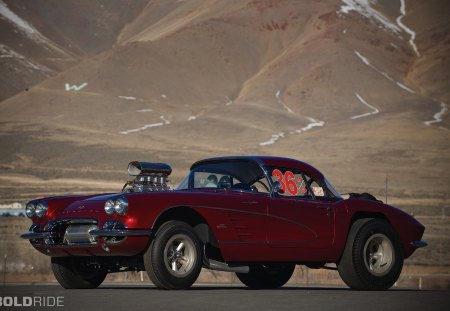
[218,298]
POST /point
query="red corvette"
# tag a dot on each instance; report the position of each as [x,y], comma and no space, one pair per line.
[256,216]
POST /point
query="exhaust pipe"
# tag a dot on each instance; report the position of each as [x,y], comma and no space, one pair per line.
[222,266]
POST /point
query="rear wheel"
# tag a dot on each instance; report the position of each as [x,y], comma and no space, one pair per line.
[373,256]
[267,276]
[174,258]
[73,272]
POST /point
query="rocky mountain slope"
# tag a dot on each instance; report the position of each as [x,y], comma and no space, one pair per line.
[358,88]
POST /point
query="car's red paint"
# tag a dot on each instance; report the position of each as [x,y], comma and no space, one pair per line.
[248,226]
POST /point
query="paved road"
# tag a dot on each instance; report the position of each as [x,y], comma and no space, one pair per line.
[218,298]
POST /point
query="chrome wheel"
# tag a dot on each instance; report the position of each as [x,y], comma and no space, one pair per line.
[180,255]
[378,254]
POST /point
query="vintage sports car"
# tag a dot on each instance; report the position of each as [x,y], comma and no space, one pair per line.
[257,216]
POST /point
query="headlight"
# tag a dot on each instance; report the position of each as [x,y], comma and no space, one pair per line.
[30,210]
[40,209]
[121,206]
[109,207]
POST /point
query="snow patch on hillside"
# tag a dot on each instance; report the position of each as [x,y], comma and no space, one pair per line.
[363,7]
[312,123]
[68,87]
[374,110]
[281,102]
[408,30]
[7,52]
[147,126]
[127,97]
[366,61]
[272,140]
[438,116]
[10,16]
[25,27]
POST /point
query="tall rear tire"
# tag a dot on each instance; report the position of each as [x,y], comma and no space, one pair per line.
[72,272]
[268,276]
[175,257]
[373,256]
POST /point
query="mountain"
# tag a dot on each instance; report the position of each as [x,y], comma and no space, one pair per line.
[39,39]
[358,88]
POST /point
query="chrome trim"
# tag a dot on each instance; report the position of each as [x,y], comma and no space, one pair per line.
[222,266]
[79,234]
[77,221]
[35,235]
[419,244]
[136,168]
[48,233]
[119,232]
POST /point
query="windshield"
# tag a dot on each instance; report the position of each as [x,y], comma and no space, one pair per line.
[332,189]
[234,175]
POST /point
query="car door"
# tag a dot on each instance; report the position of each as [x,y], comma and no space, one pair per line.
[302,217]
[236,211]
[242,228]
[247,215]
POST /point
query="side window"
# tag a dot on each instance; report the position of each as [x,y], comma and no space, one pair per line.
[209,180]
[297,184]
[260,186]
[292,183]
[318,191]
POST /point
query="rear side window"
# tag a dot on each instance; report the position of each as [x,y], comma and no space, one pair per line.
[297,184]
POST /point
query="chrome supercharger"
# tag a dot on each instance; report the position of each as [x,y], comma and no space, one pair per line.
[147,177]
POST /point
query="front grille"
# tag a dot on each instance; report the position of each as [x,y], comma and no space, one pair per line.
[79,234]
[70,231]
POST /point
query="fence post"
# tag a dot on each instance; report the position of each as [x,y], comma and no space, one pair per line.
[4,269]
[307,277]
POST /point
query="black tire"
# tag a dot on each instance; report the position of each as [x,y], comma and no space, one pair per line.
[163,254]
[71,272]
[267,276]
[373,256]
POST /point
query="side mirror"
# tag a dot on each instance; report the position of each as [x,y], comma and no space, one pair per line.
[277,188]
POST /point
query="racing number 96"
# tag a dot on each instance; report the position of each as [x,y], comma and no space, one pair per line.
[287,181]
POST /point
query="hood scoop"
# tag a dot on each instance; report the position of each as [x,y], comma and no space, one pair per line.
[137,168]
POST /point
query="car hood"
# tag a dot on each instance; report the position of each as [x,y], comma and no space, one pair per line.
[87,206]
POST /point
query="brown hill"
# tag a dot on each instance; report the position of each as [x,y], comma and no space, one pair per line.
[344,85]
[38,39]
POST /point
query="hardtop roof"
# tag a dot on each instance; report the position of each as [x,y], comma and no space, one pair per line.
[266,161]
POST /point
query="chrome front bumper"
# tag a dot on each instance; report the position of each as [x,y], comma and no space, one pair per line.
[36,235]
[97,232]
[419,244]
[119,232]
[81,232]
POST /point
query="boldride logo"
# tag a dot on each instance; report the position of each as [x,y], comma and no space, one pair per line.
[35,301]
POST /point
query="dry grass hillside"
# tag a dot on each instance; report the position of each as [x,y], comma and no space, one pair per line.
[358,88]
[39,39]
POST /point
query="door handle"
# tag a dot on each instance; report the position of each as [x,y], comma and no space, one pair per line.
[327,208]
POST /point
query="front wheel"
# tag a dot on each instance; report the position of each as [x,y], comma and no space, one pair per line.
[267,276]
[373,256]
[73,272]
[174,258]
